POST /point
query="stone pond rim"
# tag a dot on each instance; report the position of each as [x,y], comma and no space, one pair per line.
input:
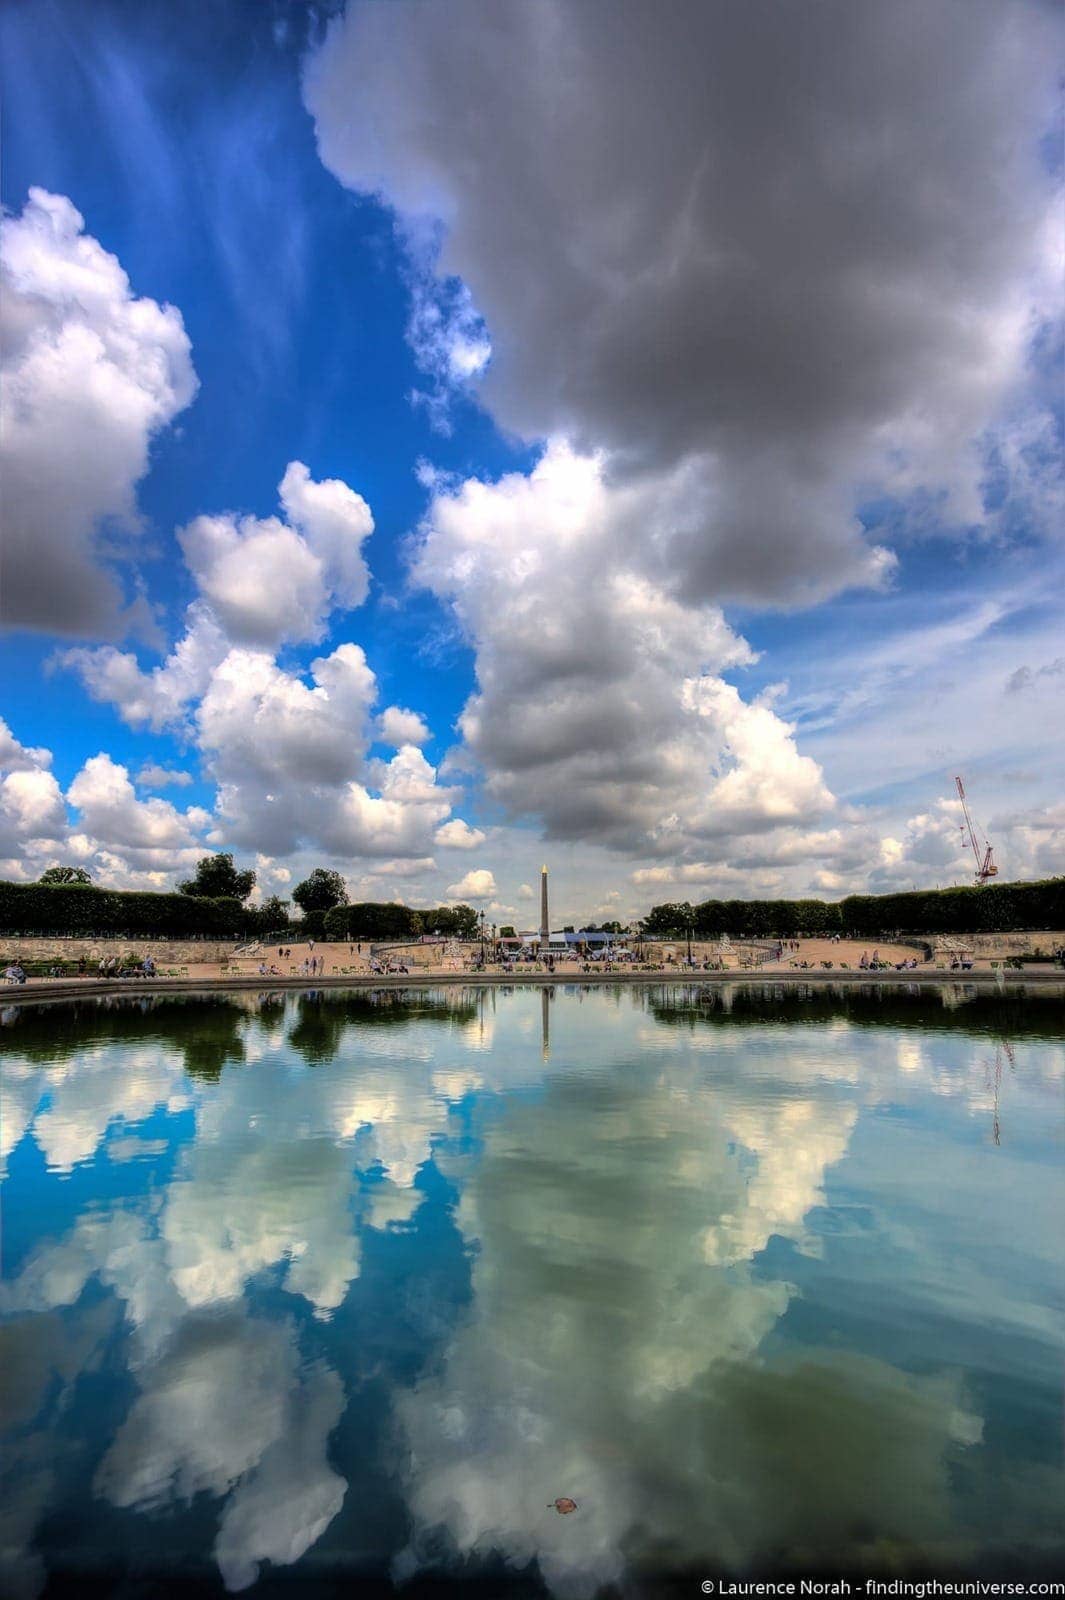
[88,988]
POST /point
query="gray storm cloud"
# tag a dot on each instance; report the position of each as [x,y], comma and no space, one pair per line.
[765,256]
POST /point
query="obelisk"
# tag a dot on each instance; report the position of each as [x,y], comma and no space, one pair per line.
[545,923]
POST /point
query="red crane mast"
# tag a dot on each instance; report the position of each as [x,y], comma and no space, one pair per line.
[985,861]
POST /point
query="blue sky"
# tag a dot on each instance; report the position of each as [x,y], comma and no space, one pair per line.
[712,453]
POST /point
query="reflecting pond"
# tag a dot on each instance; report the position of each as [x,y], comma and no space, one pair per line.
[340,1293]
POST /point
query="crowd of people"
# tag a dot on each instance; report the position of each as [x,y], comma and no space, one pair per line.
[505,959]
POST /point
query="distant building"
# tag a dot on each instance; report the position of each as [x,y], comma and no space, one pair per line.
[562,941]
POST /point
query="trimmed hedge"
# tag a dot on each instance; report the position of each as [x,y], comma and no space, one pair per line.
[74,910]
[994,908]
[745,919]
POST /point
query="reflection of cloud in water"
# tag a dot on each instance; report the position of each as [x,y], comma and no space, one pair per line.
[127,1259]
[274,1175]
[244,1206]
[227,1405]
[604,1357]
[600,1338]
[41,1358]
[390,1207]
[286,1505]
[209,1409]
[136,1148]
[85,1095]
[910,1056]
[616,1346]
[21,1088]
[794,1142]
[455,1084]
[224,1406]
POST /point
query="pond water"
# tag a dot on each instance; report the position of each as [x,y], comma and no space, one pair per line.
[339,1293]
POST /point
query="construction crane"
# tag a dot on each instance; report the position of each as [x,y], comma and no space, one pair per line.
[985,862]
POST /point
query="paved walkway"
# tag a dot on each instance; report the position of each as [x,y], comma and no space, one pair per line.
[47,989]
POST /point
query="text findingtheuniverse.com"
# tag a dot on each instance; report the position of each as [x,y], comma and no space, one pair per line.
[911,1589]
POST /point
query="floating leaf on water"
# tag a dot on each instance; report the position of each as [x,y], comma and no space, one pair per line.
[563,1505]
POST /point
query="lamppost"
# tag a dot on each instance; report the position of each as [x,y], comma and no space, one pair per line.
[688,927]
[482,938]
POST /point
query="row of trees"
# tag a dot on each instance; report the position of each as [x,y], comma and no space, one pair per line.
[750,919]
[211,905]
[216,881]
[994,908]
[377,920]
[216,878]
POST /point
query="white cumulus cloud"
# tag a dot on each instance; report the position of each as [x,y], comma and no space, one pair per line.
[600,708]
[269,581]
[33,817]
[149,833]
[458,835]
[478,884]
[92,373]
[397,726]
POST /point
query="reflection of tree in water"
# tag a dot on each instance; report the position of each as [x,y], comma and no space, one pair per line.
[206,1028]
[210,1042]
[318,1028]
[393,1007]
[1034,1014]
[323,1018]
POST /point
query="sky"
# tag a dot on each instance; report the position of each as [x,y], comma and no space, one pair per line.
[440,438]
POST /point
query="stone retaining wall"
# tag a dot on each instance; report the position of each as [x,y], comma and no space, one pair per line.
[189,952]
[181,952]
[997,946]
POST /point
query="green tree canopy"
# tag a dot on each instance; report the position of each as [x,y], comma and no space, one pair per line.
[321,891]
[457,922]
[270,917]
[666,920]
[218,879]
[372,920]
[64,875]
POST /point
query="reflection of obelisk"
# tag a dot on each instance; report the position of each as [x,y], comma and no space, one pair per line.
[546,996]
[545,925]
